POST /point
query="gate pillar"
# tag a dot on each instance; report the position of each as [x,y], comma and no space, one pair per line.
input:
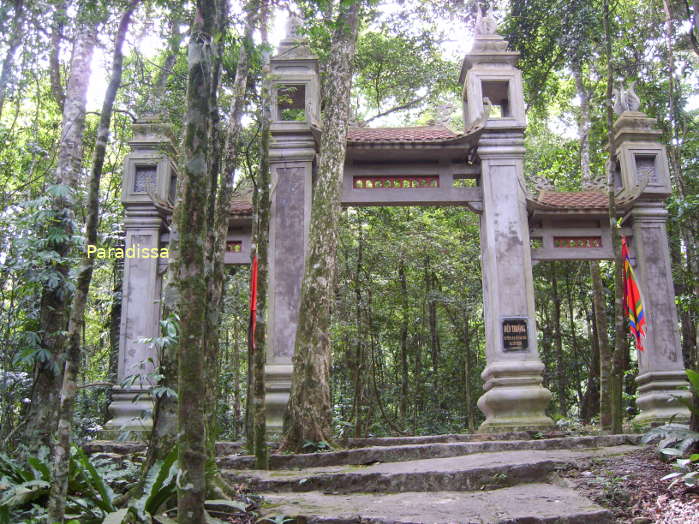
[642,171]
[148,173]
[661,376]
[514,397]
[295,109]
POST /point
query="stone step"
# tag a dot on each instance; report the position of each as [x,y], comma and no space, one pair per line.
[450,437]
[463,473]
[238,447]
[405,452]
[525,504]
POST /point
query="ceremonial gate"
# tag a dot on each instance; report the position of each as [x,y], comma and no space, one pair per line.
[480,168]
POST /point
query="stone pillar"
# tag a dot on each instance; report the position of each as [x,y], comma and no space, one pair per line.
[514,397]
[295,103]
[291,195]
[643,176]
[661,376]
[148,175]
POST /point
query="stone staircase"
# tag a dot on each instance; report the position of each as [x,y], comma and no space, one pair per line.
[429,480]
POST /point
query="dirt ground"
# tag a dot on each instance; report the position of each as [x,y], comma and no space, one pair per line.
[630,486]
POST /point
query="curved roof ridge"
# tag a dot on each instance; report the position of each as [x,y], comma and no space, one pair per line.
[409,134]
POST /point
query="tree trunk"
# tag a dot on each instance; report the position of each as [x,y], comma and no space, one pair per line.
[591,400]
[54,54]
[309,410]
[55,298]
[605,357]
[558,342]
[191,216]
[584,123]
[13,44]
[618,359]
[359,363]
[468,366]
[403,341]
[263,207]
[61,448]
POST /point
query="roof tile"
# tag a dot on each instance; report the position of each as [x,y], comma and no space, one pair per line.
[574,199]
[400,134]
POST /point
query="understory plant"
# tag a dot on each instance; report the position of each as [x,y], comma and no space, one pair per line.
[24,490]
[678,441]
[92,499]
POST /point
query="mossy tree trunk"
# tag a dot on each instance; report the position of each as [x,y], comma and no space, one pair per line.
[61,447]
[56,294]
[12,46]
[309,416]
[191,217]
[220,200]
[263,208]
[618,358]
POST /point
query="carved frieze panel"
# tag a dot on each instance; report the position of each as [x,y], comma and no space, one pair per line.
[395,182]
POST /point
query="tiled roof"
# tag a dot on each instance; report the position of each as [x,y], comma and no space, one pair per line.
[400,134]
[574,199]
[240,207]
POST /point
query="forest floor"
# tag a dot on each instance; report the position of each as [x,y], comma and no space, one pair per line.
[629,485]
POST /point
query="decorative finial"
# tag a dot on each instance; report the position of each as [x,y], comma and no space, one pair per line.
[293,24]
[485,25]
[626,99]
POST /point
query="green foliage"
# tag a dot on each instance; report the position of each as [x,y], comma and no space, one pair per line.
[315,447]
[673,439]
[159,489]
[687,471]
[24,489]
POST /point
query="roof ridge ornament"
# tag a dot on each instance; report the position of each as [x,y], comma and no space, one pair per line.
[293,24]
[295,44]
[488,46]
[626,99]
[485,25]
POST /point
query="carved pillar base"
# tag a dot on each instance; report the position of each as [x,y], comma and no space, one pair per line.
[659,394]
[514,399]
[131,413]
[278,389]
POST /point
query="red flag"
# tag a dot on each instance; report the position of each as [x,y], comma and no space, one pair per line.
[253,303]
[633,305]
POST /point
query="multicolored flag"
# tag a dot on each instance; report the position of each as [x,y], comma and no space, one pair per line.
[633,305]
[253,303]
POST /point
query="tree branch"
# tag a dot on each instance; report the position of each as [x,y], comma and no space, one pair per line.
[408,105]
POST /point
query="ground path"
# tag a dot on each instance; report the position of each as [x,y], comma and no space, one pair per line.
[447,479]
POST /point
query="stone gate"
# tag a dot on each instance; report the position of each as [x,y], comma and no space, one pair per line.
[480,168]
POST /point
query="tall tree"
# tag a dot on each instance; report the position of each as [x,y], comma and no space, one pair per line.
[620,347]
[56,294]
[309,416]
[191,217]
[13,45]
[262,200]
[61,447]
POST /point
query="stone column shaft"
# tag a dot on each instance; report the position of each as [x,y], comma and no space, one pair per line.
[514,398]
[289,224]
[131,407]
[661,374]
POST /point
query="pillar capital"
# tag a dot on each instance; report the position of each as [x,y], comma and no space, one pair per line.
[501,145]
[649,212]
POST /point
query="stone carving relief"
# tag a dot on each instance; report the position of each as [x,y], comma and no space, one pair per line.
[626,99]
[485,25]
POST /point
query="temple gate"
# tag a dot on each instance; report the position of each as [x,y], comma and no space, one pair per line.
[480,168]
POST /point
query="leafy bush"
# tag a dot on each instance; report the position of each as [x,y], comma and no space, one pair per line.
[24,489]
[687,471]
[676,440]
[673,439]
